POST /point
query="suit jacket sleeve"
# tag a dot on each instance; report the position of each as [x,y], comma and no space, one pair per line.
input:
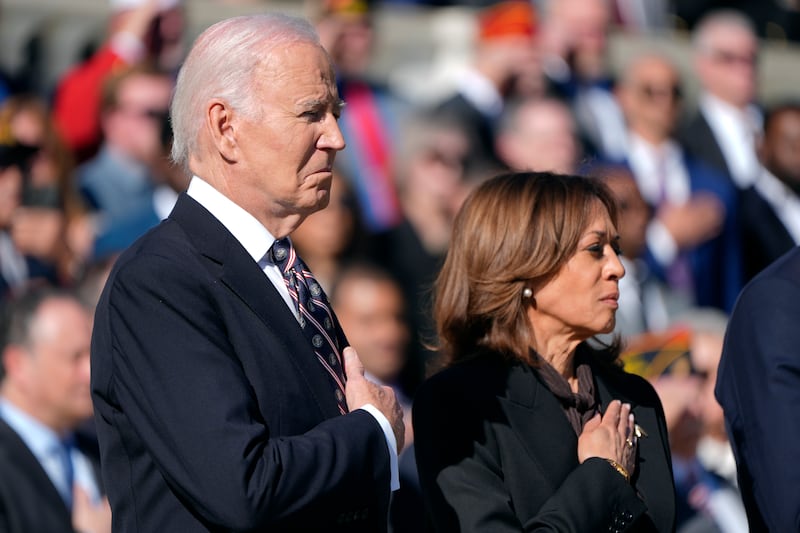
[758,386]
[188,397]
[462,477]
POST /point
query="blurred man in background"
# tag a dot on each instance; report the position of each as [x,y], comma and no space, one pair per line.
[693,240]
[725,129]
[49,471]
[138,31]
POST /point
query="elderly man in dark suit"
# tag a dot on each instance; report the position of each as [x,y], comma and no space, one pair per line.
[758,386]
[49,472]
[219,368]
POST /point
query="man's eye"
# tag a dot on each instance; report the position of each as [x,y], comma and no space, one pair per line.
[313,115]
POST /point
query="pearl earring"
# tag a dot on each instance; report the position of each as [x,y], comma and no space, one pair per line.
[527,292]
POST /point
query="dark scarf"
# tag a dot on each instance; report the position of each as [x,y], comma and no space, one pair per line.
[579,407]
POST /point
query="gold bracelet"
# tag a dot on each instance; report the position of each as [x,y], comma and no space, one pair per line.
[619,468]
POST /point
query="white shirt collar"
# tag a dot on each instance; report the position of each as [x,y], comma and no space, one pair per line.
[643,157]
[39,438]
[735,131]
[481,93]
[252,235]
[783,200]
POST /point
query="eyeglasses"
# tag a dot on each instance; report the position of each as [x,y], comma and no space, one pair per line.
[153,114]
[654,92]
[729,58]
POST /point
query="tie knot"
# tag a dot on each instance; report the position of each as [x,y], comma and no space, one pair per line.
[280,252]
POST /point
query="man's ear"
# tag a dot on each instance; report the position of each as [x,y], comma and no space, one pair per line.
[16,363]
[220,123]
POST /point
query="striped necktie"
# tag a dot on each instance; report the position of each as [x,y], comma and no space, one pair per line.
[314,314]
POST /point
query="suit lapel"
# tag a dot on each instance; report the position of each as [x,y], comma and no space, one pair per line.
[541,424]
[19,453]
[235,268]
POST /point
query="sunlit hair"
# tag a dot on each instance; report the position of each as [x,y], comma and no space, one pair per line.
[702,36]
[513,231]
[225,62]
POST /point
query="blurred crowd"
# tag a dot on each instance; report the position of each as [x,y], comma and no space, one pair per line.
[708,195]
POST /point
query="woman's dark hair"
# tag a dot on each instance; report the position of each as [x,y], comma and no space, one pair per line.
[513,231]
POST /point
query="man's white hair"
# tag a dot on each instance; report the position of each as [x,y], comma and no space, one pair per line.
[225,63]
[721,18]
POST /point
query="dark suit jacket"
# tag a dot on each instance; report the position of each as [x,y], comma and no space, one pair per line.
[29,502]
[699,142]
[758,386]
[496,453]
[764,237]
[716,265]
[212,410]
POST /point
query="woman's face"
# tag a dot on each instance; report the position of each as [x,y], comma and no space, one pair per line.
[581,300]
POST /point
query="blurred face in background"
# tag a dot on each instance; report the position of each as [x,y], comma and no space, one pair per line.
[371,312]
[348,38]
[52,374]
[10,194]
[780,148]
[650,98]
[633,212]
[706,351]
[435,171]
[542,138]
[134,123]
[726,63]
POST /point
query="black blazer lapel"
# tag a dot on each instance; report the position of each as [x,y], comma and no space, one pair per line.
[48,498]
[235,268]
[550,435]
[653,455]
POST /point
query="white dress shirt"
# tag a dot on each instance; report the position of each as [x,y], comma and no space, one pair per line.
[661,175]
[45,445]
[736,132]
[784,201]
[478,90]
[257,240]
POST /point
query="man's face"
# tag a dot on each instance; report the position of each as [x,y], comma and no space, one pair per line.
[287,149]
[371,314]
[727,66]
[781,148]
[134,125]
[56,368]
[544,139]
[651,98]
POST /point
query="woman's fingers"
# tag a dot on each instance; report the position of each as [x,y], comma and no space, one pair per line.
[611,416]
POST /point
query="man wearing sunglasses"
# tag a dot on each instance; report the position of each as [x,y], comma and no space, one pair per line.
[726,128]
[692,241]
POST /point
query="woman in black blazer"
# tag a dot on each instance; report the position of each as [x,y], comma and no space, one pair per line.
[533,426]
